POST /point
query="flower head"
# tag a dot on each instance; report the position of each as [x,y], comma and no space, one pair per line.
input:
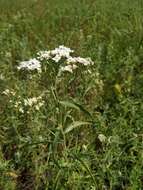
[68,68]
[61,52]
[44,55]
[32,64]
[84,61]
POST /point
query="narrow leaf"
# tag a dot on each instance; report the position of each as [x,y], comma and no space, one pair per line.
[69,104]
[74,125]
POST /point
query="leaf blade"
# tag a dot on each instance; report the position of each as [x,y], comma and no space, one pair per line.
[74,125]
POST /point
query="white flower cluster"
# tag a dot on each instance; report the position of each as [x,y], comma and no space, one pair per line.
[68,68]
[32,64]
[8,92]
[84,61]
[56,55]
[20,104]
[44,55]
[71,63]
[61,52]
[64,52]
[34,102]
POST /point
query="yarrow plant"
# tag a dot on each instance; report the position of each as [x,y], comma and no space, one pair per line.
[68,121]
[52,64]
[56,55]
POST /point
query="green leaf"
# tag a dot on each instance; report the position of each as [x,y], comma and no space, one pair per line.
[86,112]
[74,125]
[69,104]
[76,106]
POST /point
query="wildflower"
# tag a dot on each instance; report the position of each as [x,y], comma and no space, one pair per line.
[57,58]
[39,105]
[8,92]
[17,104]
[68,68]
[61,52]
[21,110]
[84,61]
[35,102]
[102,137]
[32,64]
[44,55]
[30,101]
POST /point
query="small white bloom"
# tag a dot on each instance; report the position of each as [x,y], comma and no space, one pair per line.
[21,110]
[68,68]
[16,105]
[30,101]
[35,102]
[25,102]
[71,60]
[37,107]
[6,92]
[57,58]
[32,64]
[102,137]
[44,55]
[84,61]
[41,104]
[62,51]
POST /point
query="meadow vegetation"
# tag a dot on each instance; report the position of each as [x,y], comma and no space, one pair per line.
[77,127]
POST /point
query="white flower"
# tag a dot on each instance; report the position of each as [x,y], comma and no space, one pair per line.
[60,52]
[57,58]
[102,137]
[71,60]
[16,105]
[84,61]
[6,92]
[44,55]
[32,64]
[56,54]
[68,68]
[30,101]
[21,110]
[34,102]
[39,105]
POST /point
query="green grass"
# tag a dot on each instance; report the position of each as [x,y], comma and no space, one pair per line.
[89,133]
